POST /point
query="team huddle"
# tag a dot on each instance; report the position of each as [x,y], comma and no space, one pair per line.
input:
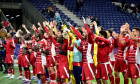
[85,53]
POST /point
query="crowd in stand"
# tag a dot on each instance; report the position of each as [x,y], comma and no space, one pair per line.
[89,51]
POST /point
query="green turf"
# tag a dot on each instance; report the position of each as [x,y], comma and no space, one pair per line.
[4,80]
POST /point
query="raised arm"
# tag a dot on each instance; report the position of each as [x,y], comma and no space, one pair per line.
[130,33]
[87,28]
[76,31]
[103,40]
[27,31]
[55,28]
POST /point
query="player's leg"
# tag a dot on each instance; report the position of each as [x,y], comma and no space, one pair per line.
[104,81]
[42,78]
[13,70]
[9,70]
[117,72]
[20,72]
[110,75]
[28,74]
[98,81]
[75,74]
[34,77]
[79,70]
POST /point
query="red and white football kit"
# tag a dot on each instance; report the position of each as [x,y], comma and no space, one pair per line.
[41,57]
[62,60]
[10,46]
[33,53]
[25,60]
[51,57]
[103,67]
[133,59]
[88,69]
[120,62]
[111,52]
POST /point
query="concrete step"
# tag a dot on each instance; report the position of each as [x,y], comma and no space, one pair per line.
[69,14]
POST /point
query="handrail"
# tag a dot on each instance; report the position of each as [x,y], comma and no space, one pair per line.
[4,18]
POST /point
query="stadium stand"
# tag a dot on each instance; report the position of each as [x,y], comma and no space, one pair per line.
[105,11]
[39,4]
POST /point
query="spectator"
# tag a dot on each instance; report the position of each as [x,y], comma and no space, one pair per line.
[88,21]
[97,21]
[2,56]
[6,23]
[61,2]
[3,32]
[57,16]
[44,10]
[77,5]
[1,24]
[123,3]
[92,19]
[51,13]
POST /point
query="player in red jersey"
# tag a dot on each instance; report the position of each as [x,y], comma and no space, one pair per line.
[63,65]
[111,54]
[50,59]
[10,46]
[103,68]
[133,56]
[26,64]
[88,69]
[41,51]
[120,62]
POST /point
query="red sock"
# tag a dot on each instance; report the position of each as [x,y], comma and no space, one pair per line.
[59,83]
[45,76]
[117,80]
[111,78]
[29,74]
[13,72]
[126,80]
[52,75]
[20,72]
[9,71]
[42,79]
[26,74]
[33,71]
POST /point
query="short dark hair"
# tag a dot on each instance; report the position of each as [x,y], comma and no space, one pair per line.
[110,31]
[12,34]
[102,32]
[136,28]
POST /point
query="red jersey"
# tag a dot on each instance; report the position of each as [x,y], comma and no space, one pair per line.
[122,48]
[42,46]
[87,49]
[111,50]
[133,52]
[103,49]
[61,50]
[10,46]
[51,47]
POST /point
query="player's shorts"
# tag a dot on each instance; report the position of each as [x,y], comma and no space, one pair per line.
[112,63]
[9,59]
[50,61]
[133,71]
[25,61]
[63,70]
[121,66]
[39,68]
[103,69]
[32,59]
[88,71]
